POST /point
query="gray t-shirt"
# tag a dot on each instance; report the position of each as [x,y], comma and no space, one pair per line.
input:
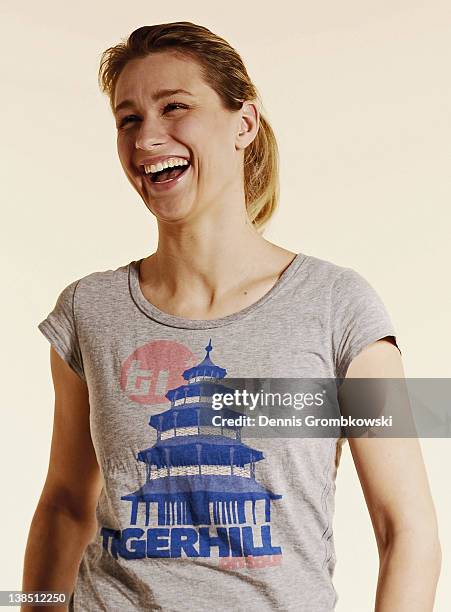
[195,519]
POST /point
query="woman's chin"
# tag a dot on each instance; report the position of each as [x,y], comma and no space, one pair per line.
[168,210]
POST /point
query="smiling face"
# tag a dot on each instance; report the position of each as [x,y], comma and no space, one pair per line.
[191,124]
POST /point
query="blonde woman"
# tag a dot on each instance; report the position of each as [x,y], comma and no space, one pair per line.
[146,506]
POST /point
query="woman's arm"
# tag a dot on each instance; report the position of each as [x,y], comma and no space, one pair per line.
[64,520]
[396,490]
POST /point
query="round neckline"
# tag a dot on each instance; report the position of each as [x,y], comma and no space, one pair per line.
[174,321]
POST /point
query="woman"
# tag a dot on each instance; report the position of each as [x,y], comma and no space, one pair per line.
[147,506]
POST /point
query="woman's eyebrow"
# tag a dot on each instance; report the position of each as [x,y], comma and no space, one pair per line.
[158,95]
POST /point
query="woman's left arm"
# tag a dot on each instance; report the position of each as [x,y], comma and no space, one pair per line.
[396,489]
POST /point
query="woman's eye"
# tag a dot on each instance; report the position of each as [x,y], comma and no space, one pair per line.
[173,106]
[126,120]
[167,109]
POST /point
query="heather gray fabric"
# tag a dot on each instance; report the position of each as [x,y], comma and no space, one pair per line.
[312,323]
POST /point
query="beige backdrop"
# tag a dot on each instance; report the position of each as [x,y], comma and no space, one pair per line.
[358,93]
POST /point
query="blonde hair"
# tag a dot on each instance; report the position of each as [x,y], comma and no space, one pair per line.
[223,70]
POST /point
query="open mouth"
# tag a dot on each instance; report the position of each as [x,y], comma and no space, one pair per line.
[167,174]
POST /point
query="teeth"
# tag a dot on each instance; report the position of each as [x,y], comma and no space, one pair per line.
[168,163]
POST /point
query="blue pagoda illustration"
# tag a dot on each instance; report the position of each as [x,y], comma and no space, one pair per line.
[198,473]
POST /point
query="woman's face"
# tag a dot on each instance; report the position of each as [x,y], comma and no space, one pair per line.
[155,120]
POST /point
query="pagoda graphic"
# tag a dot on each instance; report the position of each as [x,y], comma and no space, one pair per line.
[198,473]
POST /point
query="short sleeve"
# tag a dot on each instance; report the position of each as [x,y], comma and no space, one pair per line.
[358,318]
[59,327]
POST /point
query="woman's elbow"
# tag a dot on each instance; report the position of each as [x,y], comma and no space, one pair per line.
[421,539]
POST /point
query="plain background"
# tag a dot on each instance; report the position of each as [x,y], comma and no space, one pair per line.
[358,93]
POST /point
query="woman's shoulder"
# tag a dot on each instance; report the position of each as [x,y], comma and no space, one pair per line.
[96,285]
[346,285]
[324,272]
[105,275]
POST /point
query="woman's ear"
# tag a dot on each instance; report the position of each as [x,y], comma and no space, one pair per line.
[248,124]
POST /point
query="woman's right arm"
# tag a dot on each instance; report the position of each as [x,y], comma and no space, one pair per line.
[64,520]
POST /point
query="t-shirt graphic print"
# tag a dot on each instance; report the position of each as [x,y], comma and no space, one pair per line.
[190,518]
[201,497]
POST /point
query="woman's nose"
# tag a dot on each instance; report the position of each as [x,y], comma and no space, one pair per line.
[150,133]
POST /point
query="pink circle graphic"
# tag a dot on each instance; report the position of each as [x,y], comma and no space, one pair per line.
[154,368]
